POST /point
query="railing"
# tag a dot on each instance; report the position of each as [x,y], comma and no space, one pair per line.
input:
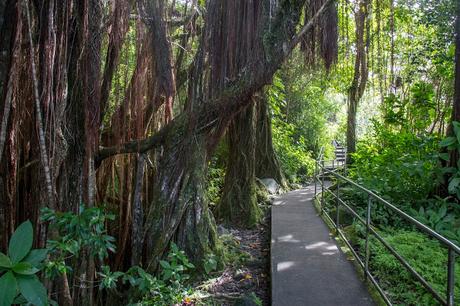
[373,199]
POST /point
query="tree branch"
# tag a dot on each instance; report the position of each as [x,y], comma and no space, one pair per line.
[231,98]
[136,146]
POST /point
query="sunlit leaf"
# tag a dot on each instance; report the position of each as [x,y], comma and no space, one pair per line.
[8,289]
[21,242]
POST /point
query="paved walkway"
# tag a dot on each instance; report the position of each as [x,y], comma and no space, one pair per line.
[307,266]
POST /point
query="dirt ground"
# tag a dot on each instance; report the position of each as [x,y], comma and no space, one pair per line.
[238,284]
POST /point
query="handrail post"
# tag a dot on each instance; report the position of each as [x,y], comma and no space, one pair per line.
[337,205]
[345,164]
[322,186]
[450,277]
[315,177]
[368,224]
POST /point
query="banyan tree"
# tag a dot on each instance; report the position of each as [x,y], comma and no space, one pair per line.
[122,103]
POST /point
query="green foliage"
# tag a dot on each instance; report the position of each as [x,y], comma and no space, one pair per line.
[233,255]
[400,166]
[18,281]
[169,288]
[426,256]
[176,265]
[21,242]
[393,111]
[8,288]
[414,113]
[400,157]
[216,173]
[290,145]
[76,232]
[216,178]
[440,216]
[452,143]
[303,104]
[86,231]
[210,263]
[404,168]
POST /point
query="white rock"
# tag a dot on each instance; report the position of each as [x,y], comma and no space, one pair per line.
[272,186]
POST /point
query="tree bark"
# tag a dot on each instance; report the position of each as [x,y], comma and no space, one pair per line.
[138,213]
[10,36]
[358,85]
[454,154]
[38,114]
[238,204]
[179,208]
[267,163]
[154,16]
[120,25]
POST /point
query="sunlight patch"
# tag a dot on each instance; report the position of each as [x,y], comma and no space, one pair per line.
[288,238]
[284,265]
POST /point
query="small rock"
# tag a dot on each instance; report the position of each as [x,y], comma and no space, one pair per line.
[221,230]
[271,185]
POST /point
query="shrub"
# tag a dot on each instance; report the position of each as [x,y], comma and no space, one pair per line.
[169,288]
[400,166]
[425,255]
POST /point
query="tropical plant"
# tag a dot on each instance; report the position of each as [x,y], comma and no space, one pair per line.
[210,263]
[168,288]
[452,143]
[75,232]
[425,255]
[289,142]
[19,283]
[400,166]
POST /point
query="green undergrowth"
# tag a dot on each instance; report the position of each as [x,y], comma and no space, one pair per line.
[425,255]
[24,271]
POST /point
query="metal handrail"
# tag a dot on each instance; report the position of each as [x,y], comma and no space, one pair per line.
[453,249]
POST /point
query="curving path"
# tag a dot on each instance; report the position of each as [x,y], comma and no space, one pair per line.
[307,266]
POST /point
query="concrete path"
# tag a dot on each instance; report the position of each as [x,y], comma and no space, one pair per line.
[307,266]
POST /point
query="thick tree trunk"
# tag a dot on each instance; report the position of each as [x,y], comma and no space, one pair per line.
[238,204]
[454,154]
[180,211]
[267,163]
[10,33]
[251,155]
[361,71]
[351,126]
[137,212]
[91,70]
